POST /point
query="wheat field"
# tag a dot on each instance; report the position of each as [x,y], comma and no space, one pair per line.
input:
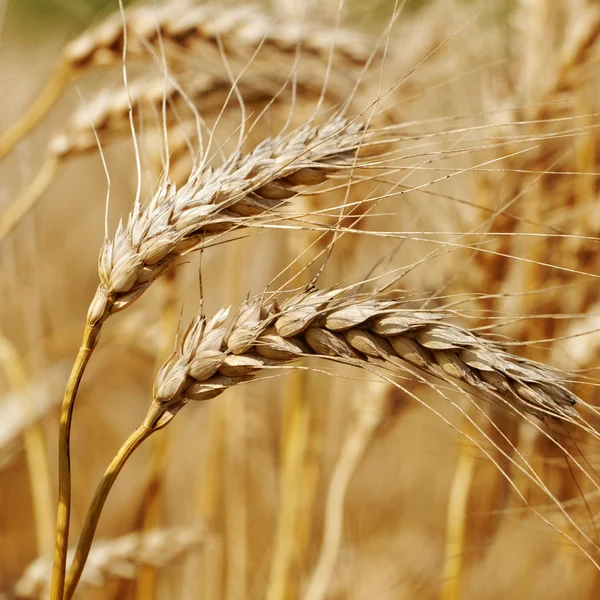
[299,300]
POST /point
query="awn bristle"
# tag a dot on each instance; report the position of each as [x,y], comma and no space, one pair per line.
[552,56]
[214,200]
[214,356]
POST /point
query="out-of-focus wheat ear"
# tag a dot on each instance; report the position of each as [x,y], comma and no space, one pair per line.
[104,120]
[185,33]
[371,404]
[38,465]
[120,557]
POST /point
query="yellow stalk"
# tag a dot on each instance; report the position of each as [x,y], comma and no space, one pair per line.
[97,504]
[283,581]
[90,339]
[457,521]
[40,107]
[369,404]
[25,202]
[35,449]
[235,496]
[209,503]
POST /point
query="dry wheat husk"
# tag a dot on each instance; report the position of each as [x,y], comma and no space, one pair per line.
[117,558]
[214,356]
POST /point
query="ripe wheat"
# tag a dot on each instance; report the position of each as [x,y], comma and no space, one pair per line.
[214,356]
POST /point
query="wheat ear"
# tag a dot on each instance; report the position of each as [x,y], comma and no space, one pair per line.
[181,31]
[213,356]
[214,200]
[119,557]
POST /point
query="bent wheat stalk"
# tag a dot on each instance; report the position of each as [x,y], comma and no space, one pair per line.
[214,356]
[177,221]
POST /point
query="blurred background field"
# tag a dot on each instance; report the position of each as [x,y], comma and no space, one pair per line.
[503,97]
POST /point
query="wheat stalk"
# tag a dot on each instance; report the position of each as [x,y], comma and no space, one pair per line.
[371,405]
[16,419]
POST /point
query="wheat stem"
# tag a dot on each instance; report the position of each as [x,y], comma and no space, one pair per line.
[283,578]
[208,502]
[95,509]
[42,104]
[35,447]
[90,339]
[370,412]
[25,202]
[456,522]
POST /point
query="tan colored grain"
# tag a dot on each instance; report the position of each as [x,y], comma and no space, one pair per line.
[214,200]
[214,356]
